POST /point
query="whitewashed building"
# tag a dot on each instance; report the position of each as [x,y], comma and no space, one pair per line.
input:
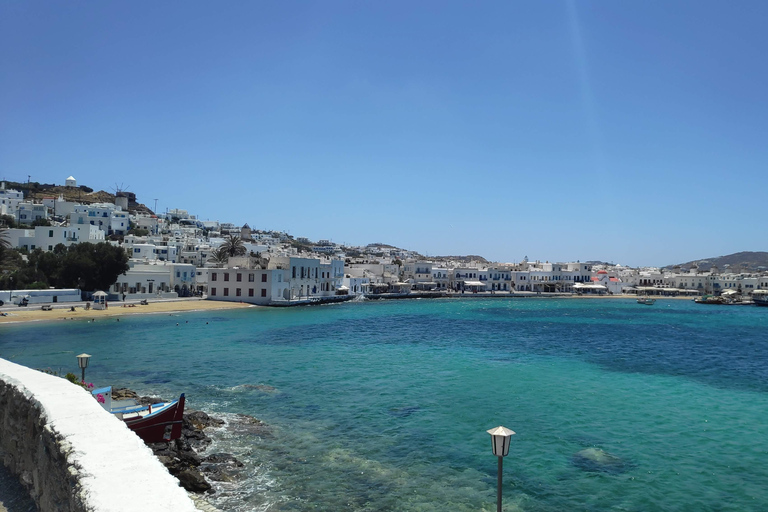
[48,237]
[254,286]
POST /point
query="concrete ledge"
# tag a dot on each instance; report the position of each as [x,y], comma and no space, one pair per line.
[72,455]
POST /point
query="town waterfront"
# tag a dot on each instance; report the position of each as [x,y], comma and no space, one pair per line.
[383,406]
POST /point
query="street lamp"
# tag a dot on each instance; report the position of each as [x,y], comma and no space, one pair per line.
[82,362]
[500,441]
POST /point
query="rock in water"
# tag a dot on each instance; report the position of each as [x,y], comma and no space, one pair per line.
[596,460]
[192,480]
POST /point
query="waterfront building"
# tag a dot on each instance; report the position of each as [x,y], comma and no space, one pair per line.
[254,286]
[441,277]
[155,279]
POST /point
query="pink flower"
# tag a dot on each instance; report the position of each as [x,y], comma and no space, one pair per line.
[100,398]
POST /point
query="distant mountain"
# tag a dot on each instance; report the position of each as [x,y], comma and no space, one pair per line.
[746,261]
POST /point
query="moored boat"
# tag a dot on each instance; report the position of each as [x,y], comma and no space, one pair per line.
[760,297]
[710,299]
[153,423]
[646,300]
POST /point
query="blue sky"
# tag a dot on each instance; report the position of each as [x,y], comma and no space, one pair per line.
[632,132]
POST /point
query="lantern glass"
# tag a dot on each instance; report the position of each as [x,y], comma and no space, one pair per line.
[82,360]
[500,440]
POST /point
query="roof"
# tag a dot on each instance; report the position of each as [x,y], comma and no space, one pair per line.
[602,271]
[71,178]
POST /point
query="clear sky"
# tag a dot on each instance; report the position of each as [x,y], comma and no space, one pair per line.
[631,132]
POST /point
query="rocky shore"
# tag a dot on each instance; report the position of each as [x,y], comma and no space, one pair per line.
[185,457]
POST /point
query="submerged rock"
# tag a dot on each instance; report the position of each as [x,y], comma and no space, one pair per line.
[595,459]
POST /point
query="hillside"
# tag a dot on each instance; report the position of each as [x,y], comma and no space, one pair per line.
[81,194]
[746,261]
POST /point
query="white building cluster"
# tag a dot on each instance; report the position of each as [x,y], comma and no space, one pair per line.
[174,254]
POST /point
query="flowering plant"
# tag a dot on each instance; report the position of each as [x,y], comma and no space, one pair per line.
[71,377]
[100,398]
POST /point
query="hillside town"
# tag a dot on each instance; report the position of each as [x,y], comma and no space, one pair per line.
[175,254]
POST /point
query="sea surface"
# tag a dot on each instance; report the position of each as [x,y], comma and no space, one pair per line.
[384,405]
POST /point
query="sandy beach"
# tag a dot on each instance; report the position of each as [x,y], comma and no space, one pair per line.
[33,313]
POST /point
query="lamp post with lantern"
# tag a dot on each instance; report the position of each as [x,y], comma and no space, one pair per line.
[500,441]
[82,362]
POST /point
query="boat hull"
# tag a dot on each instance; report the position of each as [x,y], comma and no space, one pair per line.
[161,426]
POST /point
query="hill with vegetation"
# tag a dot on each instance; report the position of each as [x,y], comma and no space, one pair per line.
[82,194]
[746,261]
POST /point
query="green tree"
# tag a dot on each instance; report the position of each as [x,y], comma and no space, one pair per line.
[47,263]
[8,221]
[92,267]
[41,222]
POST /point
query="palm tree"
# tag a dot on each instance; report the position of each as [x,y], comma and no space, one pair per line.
[234,246]
[5,243]
[219,255]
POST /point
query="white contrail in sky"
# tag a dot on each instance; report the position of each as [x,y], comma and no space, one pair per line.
[587,95]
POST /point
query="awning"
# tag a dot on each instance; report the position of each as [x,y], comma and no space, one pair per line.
[473,283]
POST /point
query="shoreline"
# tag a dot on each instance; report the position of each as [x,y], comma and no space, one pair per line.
[33,313]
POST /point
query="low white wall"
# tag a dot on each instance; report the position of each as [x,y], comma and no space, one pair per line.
[73,455]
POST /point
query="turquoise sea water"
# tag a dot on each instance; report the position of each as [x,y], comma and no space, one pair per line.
[383,406]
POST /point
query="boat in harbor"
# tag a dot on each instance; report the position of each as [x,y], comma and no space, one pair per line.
[710,299]
[760,297]
[154,423]
[648,301]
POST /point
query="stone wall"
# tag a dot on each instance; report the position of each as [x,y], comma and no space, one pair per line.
[72,455]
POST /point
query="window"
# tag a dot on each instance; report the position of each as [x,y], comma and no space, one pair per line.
[226,291]
[50,233]
[264,293]
[213,276]
[263,278]
[239,277]
[226,277]
[250,292]
[238,292]
[213,292]
[250,278]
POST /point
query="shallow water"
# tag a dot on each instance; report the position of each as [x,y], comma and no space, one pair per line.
[381,406]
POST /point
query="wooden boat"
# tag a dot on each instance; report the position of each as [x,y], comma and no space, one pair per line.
[646,300]
[154,423]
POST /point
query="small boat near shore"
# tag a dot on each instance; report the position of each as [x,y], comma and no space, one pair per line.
[154,423]
[648,301]
[760,297]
